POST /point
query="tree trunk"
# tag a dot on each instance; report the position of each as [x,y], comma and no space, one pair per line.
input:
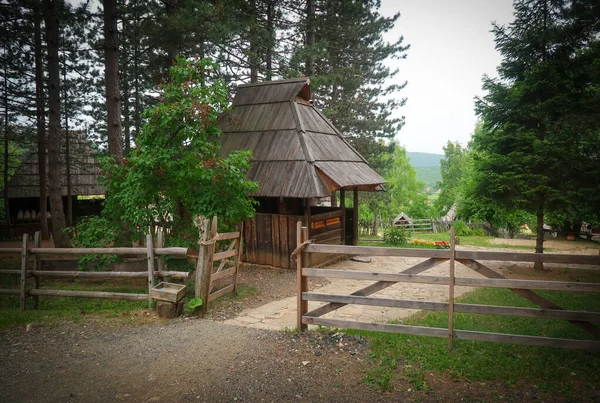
[539,241]
[270,44]
[61,239]
[67,147]
[253,56]
[111,75]
[310,37]
[6,156]
[41,124]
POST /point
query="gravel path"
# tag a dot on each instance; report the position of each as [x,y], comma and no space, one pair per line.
[187,360]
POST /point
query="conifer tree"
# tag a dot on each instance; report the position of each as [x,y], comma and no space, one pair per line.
[541,114]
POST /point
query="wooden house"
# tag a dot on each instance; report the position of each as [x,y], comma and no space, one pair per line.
[81,193]
[298,156]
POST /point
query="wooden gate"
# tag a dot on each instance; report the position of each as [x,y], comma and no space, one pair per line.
[218,263]
[470,259]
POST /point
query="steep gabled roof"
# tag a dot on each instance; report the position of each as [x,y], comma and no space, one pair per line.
[25,182]
[296,151]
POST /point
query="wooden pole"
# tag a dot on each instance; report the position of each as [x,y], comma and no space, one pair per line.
[160,243]
[237,257]
[451,290]
[208,264]
[301,281]
[23,290]
[307,219]
[37,267]
[343,208]
[355,218]
[199,290]
[150,257]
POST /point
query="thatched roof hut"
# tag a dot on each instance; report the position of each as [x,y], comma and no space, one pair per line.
[297,155]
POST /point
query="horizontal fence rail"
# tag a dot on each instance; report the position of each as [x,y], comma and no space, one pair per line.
[471,259]
[38,254]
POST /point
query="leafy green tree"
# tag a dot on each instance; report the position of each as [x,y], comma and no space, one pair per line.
[452,168]
[176,173]
[541,114]
[406,193]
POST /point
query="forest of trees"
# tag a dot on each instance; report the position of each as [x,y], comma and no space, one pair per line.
[70,66]
[533,157]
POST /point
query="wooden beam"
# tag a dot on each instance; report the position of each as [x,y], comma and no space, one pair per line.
[460,281]
[355,218]
[90,294]
[220,293]
[37,242]
[529,257]
[475,309]
[451,289]
[529,295]
[378,286]
[301,281]
[528,340]
[23,284]
[343,208]
[150,258]
[377,327]
[376,251]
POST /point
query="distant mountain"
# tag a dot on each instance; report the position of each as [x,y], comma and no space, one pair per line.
[427,167]
[424,159]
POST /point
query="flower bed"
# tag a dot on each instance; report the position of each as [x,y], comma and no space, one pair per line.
[430,244]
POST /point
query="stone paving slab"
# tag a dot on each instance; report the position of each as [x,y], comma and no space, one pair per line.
[281,314]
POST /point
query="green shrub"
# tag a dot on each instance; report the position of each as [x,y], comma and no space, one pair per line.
[461,229]
[395,236]
[478,232]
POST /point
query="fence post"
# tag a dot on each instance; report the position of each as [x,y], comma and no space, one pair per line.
[451,290]
[301,281]
[37,240]
[23,290]
[238,256]
[160,243]
[208,262]
[150,256]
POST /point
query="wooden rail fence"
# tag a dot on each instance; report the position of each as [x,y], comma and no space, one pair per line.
[472,260]
[33,256]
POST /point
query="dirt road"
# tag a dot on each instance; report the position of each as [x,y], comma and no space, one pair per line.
[193,360]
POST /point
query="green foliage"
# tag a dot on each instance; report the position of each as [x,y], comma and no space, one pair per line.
[406,193]
[95,232]
[461,229]
[176,173]
[395,236]
[193,304]
[483,361]
[540,141]
[478,232]
[452,169]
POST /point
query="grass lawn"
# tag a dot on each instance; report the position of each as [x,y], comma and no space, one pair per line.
[484,241]
[53,309]
[409,357]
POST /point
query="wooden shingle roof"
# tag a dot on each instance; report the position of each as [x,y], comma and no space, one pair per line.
[25,182]
[296,150]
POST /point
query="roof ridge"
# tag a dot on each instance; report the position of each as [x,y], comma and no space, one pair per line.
[275,82]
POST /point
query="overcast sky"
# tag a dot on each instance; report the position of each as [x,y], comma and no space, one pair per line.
[451,48]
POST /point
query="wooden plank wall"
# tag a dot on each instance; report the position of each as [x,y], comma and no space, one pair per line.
[326,228]
[269,239]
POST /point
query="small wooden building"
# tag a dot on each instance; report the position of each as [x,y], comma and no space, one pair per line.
[298,157]
[81,193]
